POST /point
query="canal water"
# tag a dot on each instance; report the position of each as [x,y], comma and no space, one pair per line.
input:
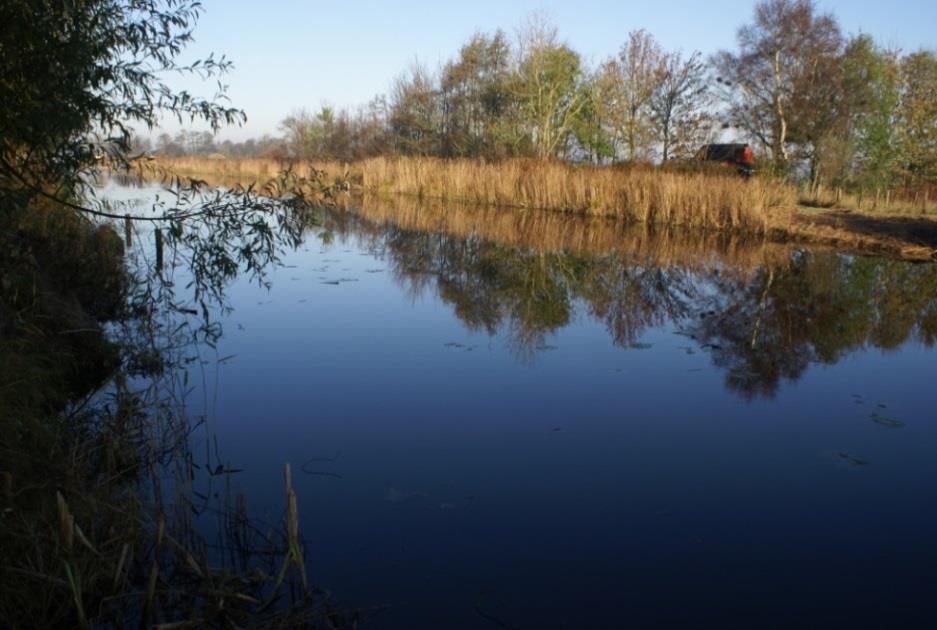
[504,419]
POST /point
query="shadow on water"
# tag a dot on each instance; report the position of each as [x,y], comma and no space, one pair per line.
[762,311]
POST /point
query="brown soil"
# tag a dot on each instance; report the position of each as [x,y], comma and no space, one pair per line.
[903,236]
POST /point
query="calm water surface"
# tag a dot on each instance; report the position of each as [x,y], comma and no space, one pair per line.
[615,430]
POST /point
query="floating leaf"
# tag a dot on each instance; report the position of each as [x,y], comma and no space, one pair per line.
[849,460]
[886,422]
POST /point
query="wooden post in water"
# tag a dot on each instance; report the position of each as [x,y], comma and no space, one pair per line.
[128,231]
[159,250]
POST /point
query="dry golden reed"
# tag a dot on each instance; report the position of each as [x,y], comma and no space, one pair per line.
[646,196]
[654,197]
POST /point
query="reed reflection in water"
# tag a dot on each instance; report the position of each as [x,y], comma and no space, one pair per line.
[763,311]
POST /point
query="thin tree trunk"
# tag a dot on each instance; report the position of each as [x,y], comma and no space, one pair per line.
[781,139]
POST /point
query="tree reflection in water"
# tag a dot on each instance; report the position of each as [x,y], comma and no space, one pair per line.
[762,311]
[817,308]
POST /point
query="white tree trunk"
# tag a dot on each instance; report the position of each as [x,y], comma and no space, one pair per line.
[781,134]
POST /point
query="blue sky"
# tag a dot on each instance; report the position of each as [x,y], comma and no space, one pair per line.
[299,53]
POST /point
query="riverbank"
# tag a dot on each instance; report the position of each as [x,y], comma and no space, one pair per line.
[684,200]
[99,512]
[65,469]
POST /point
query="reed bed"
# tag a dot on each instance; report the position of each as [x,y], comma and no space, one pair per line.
[244,171]
[647,196]
[652,197]
[676,197]
[697,201]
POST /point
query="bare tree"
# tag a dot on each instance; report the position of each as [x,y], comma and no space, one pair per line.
[372,135]
[679,103]
[625,86]
[783,60]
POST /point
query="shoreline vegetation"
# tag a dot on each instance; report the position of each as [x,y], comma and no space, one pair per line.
[112,514]
[103,505]
[673,198]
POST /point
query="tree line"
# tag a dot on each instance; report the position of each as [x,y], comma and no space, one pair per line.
[816,104]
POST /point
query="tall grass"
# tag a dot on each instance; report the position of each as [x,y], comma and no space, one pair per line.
[646,196]
[239,171]
[655,197]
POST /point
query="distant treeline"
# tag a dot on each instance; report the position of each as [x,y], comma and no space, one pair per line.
[815,103]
